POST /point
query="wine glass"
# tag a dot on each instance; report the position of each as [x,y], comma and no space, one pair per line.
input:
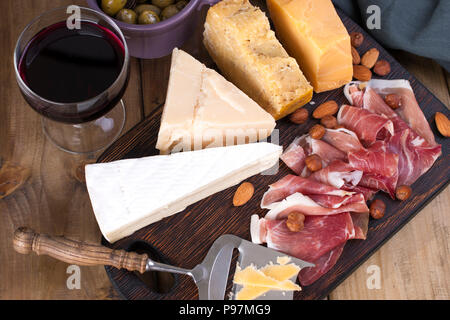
[74,73]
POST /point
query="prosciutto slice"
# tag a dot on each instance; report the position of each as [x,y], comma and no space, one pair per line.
[361,224]
[409,110]
[294,156]
[415,158]
[375,159]
[335,201]
[417,152]
[380,167]
[343,140]
[368,126]
[291,184]
[375,103]
[368,193]
[319,235]
[303,146]
[323,264]
[298,202]
[338,174]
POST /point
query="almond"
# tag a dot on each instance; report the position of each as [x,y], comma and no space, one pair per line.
[356,59]
[382,68]
[403,192]
[329,122]
[317,131]
[370,58]
[442,123]
[328,108]
[243,194]
[299,116]
[361,73]
[313,162]
[295,221]
[356,39]
[377,209]
[393,100]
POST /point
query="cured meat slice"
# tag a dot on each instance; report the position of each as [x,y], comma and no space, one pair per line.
[335,201]
[415,157]
[380,167]
[338,174]
[376,159]
[409,109]
[325,151]
[375,103]
[303,146]
[323,264]
[354,94]
[416,154]
[361,224]
[291,184]
[319,235]
[343,139]
[379,182]
[294,156]
[365,191]
[368,126]
[298,202]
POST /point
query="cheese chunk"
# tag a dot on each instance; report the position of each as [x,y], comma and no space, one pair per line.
[256,282]
[204,109]
[312,32]
[127,195]
[239,39]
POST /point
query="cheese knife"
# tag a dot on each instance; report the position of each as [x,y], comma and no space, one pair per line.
[211,276]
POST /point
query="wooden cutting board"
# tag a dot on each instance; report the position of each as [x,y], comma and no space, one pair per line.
[184,239]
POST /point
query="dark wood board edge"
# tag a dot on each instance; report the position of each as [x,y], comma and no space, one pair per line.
[126,145]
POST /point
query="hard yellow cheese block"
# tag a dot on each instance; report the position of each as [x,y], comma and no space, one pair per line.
[257,282]
[238,37]
[203,109]
[312,32]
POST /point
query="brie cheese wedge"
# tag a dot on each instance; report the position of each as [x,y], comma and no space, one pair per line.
[129,194]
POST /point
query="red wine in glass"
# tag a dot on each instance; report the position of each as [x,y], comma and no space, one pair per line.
[73,66]
[74,75]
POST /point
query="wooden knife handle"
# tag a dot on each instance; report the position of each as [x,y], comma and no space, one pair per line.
[76,252]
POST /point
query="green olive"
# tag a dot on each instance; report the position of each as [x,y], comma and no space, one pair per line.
[168,12]
[148,17]
[181,4]
[162,3]
[111,7]
[127,15]
[143,7]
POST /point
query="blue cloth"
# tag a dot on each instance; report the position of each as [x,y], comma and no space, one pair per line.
[418,26]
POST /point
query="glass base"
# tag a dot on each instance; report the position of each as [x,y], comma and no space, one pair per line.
[89,137]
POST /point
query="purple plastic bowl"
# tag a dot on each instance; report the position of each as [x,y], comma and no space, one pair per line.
[159,39]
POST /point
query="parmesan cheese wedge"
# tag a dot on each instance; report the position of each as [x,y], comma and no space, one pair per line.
[238,37]
[203,109]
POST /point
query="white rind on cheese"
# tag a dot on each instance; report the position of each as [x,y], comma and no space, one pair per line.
[204,109]
[129,194]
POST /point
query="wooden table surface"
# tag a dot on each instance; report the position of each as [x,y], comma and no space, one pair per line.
[412,265]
